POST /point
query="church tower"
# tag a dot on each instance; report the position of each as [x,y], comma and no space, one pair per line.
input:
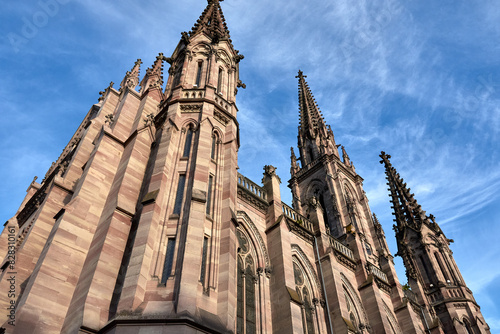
[434,279]
[361,286]
[132,222]
[143,224]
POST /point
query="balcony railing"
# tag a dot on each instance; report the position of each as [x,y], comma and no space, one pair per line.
[296,217]
[251,186]
[341,248]
[377,272]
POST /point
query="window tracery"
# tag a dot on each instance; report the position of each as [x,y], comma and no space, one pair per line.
[303,288]
[246,319]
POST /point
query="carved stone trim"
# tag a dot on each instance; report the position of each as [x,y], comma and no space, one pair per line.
[255,233]
[252,199]
[303,257]
[353,293]
[189,108]
[299,230]
[219,116]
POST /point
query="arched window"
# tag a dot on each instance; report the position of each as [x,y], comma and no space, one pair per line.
[198,73]
[246,305]
[302,286]
[351,310]
[468,328]
[177,76]
[213,152]
[187,142]
[441,267]
[219,81]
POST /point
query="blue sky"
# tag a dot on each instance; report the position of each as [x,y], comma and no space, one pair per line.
[417,79]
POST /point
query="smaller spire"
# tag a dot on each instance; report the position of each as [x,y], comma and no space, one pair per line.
[131,79]
[294,165]
[154,75]
[347,161]
[406,209]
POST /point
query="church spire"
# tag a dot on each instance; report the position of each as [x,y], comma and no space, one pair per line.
[131,79]
[311,119]
[406,209]
[212,23]
[154,75]
[315,137]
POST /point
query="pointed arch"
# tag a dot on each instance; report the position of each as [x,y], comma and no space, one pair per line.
[305,291]
[357,301]
[392,320]
[263,256]
[296,250]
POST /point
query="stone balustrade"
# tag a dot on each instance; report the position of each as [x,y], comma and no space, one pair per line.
[341,248]
[251,186]
[296,217]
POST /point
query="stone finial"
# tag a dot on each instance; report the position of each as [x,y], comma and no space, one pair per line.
[131,79]
[109,119]
[294,165]
[149,119]
[270,171]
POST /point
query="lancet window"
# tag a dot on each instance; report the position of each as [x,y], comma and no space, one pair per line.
[304,290]
[351,310]
[246,315]
[187,142]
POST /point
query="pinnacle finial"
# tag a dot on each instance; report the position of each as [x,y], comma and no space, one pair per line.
[212,23]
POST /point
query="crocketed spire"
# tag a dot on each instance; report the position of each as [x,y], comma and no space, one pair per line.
[131,78]
[212,23]
[311,119]
[407,211]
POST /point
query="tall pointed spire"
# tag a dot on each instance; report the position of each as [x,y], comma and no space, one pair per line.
[315,138]
[311,118]
[406,209]
[212,22]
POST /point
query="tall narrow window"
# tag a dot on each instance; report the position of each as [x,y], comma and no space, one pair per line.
[209,194]
[308,312]
[351,309]
[443,271]
[180,194]
[214,146]
[426,269]
[251,319]
[240,295]
[246,316]
[204,260]
[219,81]
[198,74]
[169,259]
[177,76]
[468,328]
[187,143]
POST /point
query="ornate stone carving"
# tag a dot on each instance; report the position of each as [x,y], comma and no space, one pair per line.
[220,117]
[148,120]
[251,199]
[299,230]
[189,108]
[109,119]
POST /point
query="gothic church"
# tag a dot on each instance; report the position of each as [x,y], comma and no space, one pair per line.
[144,225]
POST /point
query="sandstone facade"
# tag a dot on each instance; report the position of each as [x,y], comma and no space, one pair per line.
[144,225]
